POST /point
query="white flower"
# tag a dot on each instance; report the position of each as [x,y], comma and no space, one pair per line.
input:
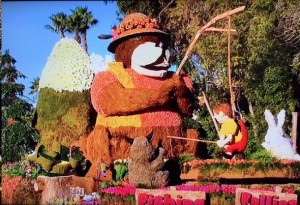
[98,63]
[67,68]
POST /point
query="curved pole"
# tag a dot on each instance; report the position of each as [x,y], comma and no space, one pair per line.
[203,29]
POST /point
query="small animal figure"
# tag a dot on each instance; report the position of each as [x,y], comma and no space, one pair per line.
[145,164]
[276,141]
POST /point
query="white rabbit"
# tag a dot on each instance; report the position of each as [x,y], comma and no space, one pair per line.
[276,141]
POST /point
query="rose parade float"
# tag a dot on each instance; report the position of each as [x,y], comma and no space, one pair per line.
[118,136]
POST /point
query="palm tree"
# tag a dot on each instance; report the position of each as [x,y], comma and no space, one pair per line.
[59,21]
[80,21]
[34,88]
[74,24]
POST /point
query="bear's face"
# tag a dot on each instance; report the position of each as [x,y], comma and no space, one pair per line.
[146,54]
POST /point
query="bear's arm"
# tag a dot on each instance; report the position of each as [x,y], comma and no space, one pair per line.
[158,163]
[185,97]
[110,98]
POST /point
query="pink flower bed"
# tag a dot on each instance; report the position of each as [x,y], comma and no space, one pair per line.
[209,189]
[120,190]
[9,184]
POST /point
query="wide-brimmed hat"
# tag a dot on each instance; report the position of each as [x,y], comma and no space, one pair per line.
[134,24]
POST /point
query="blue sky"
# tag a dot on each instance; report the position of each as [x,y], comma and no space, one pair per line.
[24,33]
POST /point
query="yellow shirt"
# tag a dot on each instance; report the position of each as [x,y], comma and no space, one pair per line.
[230,127]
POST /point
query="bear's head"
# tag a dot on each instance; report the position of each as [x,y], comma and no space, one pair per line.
[140,45]
[141,150]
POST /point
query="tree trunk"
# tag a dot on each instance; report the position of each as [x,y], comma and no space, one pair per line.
[84,42]
[77,37]
[56,187]
[62,34]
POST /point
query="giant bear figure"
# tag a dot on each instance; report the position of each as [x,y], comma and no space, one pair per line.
[137,95]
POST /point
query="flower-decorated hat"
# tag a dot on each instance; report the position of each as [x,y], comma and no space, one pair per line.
[133,24]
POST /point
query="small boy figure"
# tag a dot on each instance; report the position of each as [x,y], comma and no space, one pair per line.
[231,137]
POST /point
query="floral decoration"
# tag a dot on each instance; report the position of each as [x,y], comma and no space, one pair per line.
[67,68]
[138,23]
[22,168]
[207,188]
[9,184]
[120,190]
[98,63]
[234,163]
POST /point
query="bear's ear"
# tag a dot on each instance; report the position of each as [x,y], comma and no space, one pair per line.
[150,136]
[129,140]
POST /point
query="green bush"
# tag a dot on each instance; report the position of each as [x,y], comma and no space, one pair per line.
[63,116]
[18,139]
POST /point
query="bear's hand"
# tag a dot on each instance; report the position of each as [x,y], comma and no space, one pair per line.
[167,90]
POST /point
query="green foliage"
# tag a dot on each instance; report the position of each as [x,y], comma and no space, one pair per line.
[17,140]
[22,168]
[207,132]
[121,171]
[266,160]
[138,6]
[79,21]
[106,184]
[60,22]
[63,116]
[185,157]
[17,134]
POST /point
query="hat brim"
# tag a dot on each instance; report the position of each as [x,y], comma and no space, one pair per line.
[131,33]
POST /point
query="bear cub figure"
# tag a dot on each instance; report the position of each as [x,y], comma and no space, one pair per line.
[146,163]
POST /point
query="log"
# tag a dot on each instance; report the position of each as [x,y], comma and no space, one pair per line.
[87,183]
[58,187]
[39,185]
[294,134]
[53,187]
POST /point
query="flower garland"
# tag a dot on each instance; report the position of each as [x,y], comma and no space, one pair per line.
[67,68]
[129,190]
[138,23]
[120,190]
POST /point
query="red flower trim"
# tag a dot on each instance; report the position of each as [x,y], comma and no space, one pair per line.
[137,24]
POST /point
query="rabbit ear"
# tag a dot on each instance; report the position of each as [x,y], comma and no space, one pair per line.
[270,118]
[280,118]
